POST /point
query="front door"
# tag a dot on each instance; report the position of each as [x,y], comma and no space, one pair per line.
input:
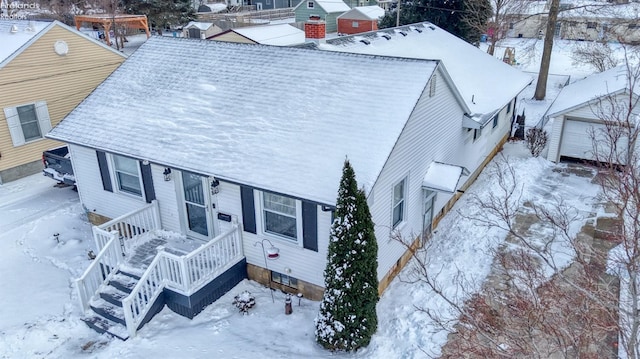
[197,206]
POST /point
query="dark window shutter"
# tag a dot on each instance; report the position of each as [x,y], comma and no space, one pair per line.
[104,171]
[147,182]
[248,209]
[310,226]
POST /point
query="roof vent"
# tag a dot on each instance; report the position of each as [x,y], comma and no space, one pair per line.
[366,42]
[14,29]
[386,36]
[432,27]
[418,30]
[30,27]
[403,33]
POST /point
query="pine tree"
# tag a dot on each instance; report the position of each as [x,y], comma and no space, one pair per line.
[347,318]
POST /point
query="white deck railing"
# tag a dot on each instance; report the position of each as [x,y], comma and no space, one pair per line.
[184,274]
[131,225]
[101,269]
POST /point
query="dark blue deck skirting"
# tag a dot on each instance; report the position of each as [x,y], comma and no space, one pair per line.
[190,306]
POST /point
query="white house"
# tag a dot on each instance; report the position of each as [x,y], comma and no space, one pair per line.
[577,117]
[246,165]
[277,35]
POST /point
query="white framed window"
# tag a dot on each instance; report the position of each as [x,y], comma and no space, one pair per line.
[28,122]
[495,120]
[399,203]
[282,216]
[127,175]
[310,4]
[355,24]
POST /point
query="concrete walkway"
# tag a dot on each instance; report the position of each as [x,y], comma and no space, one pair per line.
[560,322]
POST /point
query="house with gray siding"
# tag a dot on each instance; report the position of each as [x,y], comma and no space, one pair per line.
[327,10]
[229,184]
[274,4]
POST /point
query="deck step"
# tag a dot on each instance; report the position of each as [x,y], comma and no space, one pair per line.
[107,310]
[123,282]
[102,325]
[113,295]
[131,272]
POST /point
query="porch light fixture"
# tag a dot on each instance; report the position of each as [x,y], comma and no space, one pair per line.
[215,185]
[167,174]
[272,253]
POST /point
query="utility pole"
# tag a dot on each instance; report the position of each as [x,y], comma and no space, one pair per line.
[398,14]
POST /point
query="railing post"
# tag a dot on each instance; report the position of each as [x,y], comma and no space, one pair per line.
[155,209]
[128,317]
[82,295]
[186,283]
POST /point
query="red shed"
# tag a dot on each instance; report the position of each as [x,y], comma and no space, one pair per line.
[360,19]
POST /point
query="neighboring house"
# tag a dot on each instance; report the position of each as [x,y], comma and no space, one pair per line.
[200,30]
[575,114]
[46,69]
[326,10]
[279,35]
[245,166]
[360,19]
[362,3]
[579,20]
[274,4]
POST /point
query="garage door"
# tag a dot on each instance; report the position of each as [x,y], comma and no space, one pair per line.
[577,141]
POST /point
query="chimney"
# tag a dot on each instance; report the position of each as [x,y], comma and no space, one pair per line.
[314,28]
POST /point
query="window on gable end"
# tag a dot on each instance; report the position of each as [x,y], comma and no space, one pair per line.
[310,4]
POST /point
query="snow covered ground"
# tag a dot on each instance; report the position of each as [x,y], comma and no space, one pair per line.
[39,310]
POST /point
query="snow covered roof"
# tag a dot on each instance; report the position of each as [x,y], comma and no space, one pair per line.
[443,177]
[279,34]
[590,88]
[16,33]
[329,6]
[200,25]
[485,83]
[373,12]
[278,118]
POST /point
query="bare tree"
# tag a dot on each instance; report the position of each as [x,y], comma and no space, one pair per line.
[616,152]
[498,23]
[597,54]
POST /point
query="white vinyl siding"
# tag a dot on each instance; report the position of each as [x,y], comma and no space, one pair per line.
[294,260]
[93,196]
[28,122]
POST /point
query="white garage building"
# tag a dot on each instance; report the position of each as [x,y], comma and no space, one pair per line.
[577,115]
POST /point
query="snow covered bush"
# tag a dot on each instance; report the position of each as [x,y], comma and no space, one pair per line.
[244,301]
[536,141]
[347,319]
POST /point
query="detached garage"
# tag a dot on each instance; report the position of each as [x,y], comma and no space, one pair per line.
[576,121]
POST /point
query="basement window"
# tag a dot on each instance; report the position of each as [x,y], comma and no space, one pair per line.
[284,279]
[591,25]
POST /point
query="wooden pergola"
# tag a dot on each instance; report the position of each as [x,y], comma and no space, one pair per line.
[106,21]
